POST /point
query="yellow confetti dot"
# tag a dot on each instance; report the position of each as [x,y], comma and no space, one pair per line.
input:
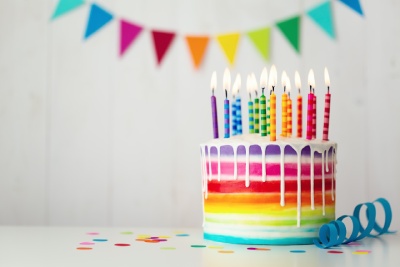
[216,247]
[226,251]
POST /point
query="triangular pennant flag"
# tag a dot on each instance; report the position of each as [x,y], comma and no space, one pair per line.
[353,4]
[98,17]
[291,30]
[229,43]
[322,15]
[128,33]
[65,6]
[162,41]
[197,46]
[261,39]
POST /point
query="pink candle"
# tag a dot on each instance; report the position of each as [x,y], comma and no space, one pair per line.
[310,106]
[327,109]
[314,118]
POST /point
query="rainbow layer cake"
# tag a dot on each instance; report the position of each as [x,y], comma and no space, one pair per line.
[261,192]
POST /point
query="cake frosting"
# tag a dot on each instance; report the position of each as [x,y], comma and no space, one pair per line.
[260,192]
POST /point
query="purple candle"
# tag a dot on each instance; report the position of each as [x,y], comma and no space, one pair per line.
[214,105]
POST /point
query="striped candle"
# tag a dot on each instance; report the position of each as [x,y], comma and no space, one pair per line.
[273,116]
[263,85]
[326,116]
[251,116]
[284,114]
[226,119]
[310,106]
[268,117]
[226,86]
[314,118]
[299,116]
[234,121]
[263,112]
[327,109]
[256,115]
[289,116]
[238,115]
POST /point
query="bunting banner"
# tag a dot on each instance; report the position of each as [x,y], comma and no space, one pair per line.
[321,14]
[197,47]
[127,35]
[98,18]
[229,43]
[261,40]
[291,30]
[65,6]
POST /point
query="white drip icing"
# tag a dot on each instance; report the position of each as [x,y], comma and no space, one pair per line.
[235,162]
[247,148]
[282,149]
[263,167]
[296,144]
[312,177]
[323,181]
[298,187]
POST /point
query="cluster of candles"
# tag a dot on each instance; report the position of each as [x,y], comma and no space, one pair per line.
[262,111]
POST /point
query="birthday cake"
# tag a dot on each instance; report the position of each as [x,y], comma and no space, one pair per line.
[257,191]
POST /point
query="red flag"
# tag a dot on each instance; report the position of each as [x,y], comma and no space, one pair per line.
[162,41]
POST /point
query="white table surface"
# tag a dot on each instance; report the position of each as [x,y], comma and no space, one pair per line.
[57,246]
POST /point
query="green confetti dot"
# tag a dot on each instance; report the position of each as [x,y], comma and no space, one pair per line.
[167,248]
[127,233]
[198,246]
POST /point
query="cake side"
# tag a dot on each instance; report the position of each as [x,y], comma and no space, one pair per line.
[254,194]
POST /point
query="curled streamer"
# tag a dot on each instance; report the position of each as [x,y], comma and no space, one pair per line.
[334,232]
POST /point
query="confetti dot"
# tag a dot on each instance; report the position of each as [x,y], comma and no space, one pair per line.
[93,233]
[100,240]
[151,241]
[127,233]
[226,251]
[335,251]
[262,249]
[298,251]
[167,248]
[198,246]
[86,243]
[84,248]
[360,253]
[216,247]
[164,236]
[122,245]
[154,237]
[182,234]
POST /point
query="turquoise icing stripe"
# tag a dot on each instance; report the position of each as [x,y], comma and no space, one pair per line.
[259,241]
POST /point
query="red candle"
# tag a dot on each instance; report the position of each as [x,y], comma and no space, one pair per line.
[327,109]
[299,106]
[310,106]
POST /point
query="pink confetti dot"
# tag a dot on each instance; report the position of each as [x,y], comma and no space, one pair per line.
[335,251]
[93,233]
[86,243]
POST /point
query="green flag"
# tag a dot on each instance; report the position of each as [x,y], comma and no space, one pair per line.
[291,30]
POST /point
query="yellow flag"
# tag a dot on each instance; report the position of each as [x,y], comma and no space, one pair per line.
[229,43]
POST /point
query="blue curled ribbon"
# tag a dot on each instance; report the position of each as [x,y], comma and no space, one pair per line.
[334,232]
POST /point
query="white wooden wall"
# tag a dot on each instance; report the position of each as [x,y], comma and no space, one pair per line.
[87,138]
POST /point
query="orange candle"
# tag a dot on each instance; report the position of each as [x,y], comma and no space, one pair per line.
[284,105]
[272,81]
[289,110]
[299,106]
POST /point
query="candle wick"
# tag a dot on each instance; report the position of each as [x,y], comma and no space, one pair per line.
[212,91]
[310,88]
[256,94]
[262,91]
[250,96]
[328,89]
[273,88]
[284,89]
[299,91]
[313,90]
[226,94]
[288,95]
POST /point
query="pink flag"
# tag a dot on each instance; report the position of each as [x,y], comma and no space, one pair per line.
[162,41]
[128,33]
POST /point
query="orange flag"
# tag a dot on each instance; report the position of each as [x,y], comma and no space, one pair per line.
[197,46]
